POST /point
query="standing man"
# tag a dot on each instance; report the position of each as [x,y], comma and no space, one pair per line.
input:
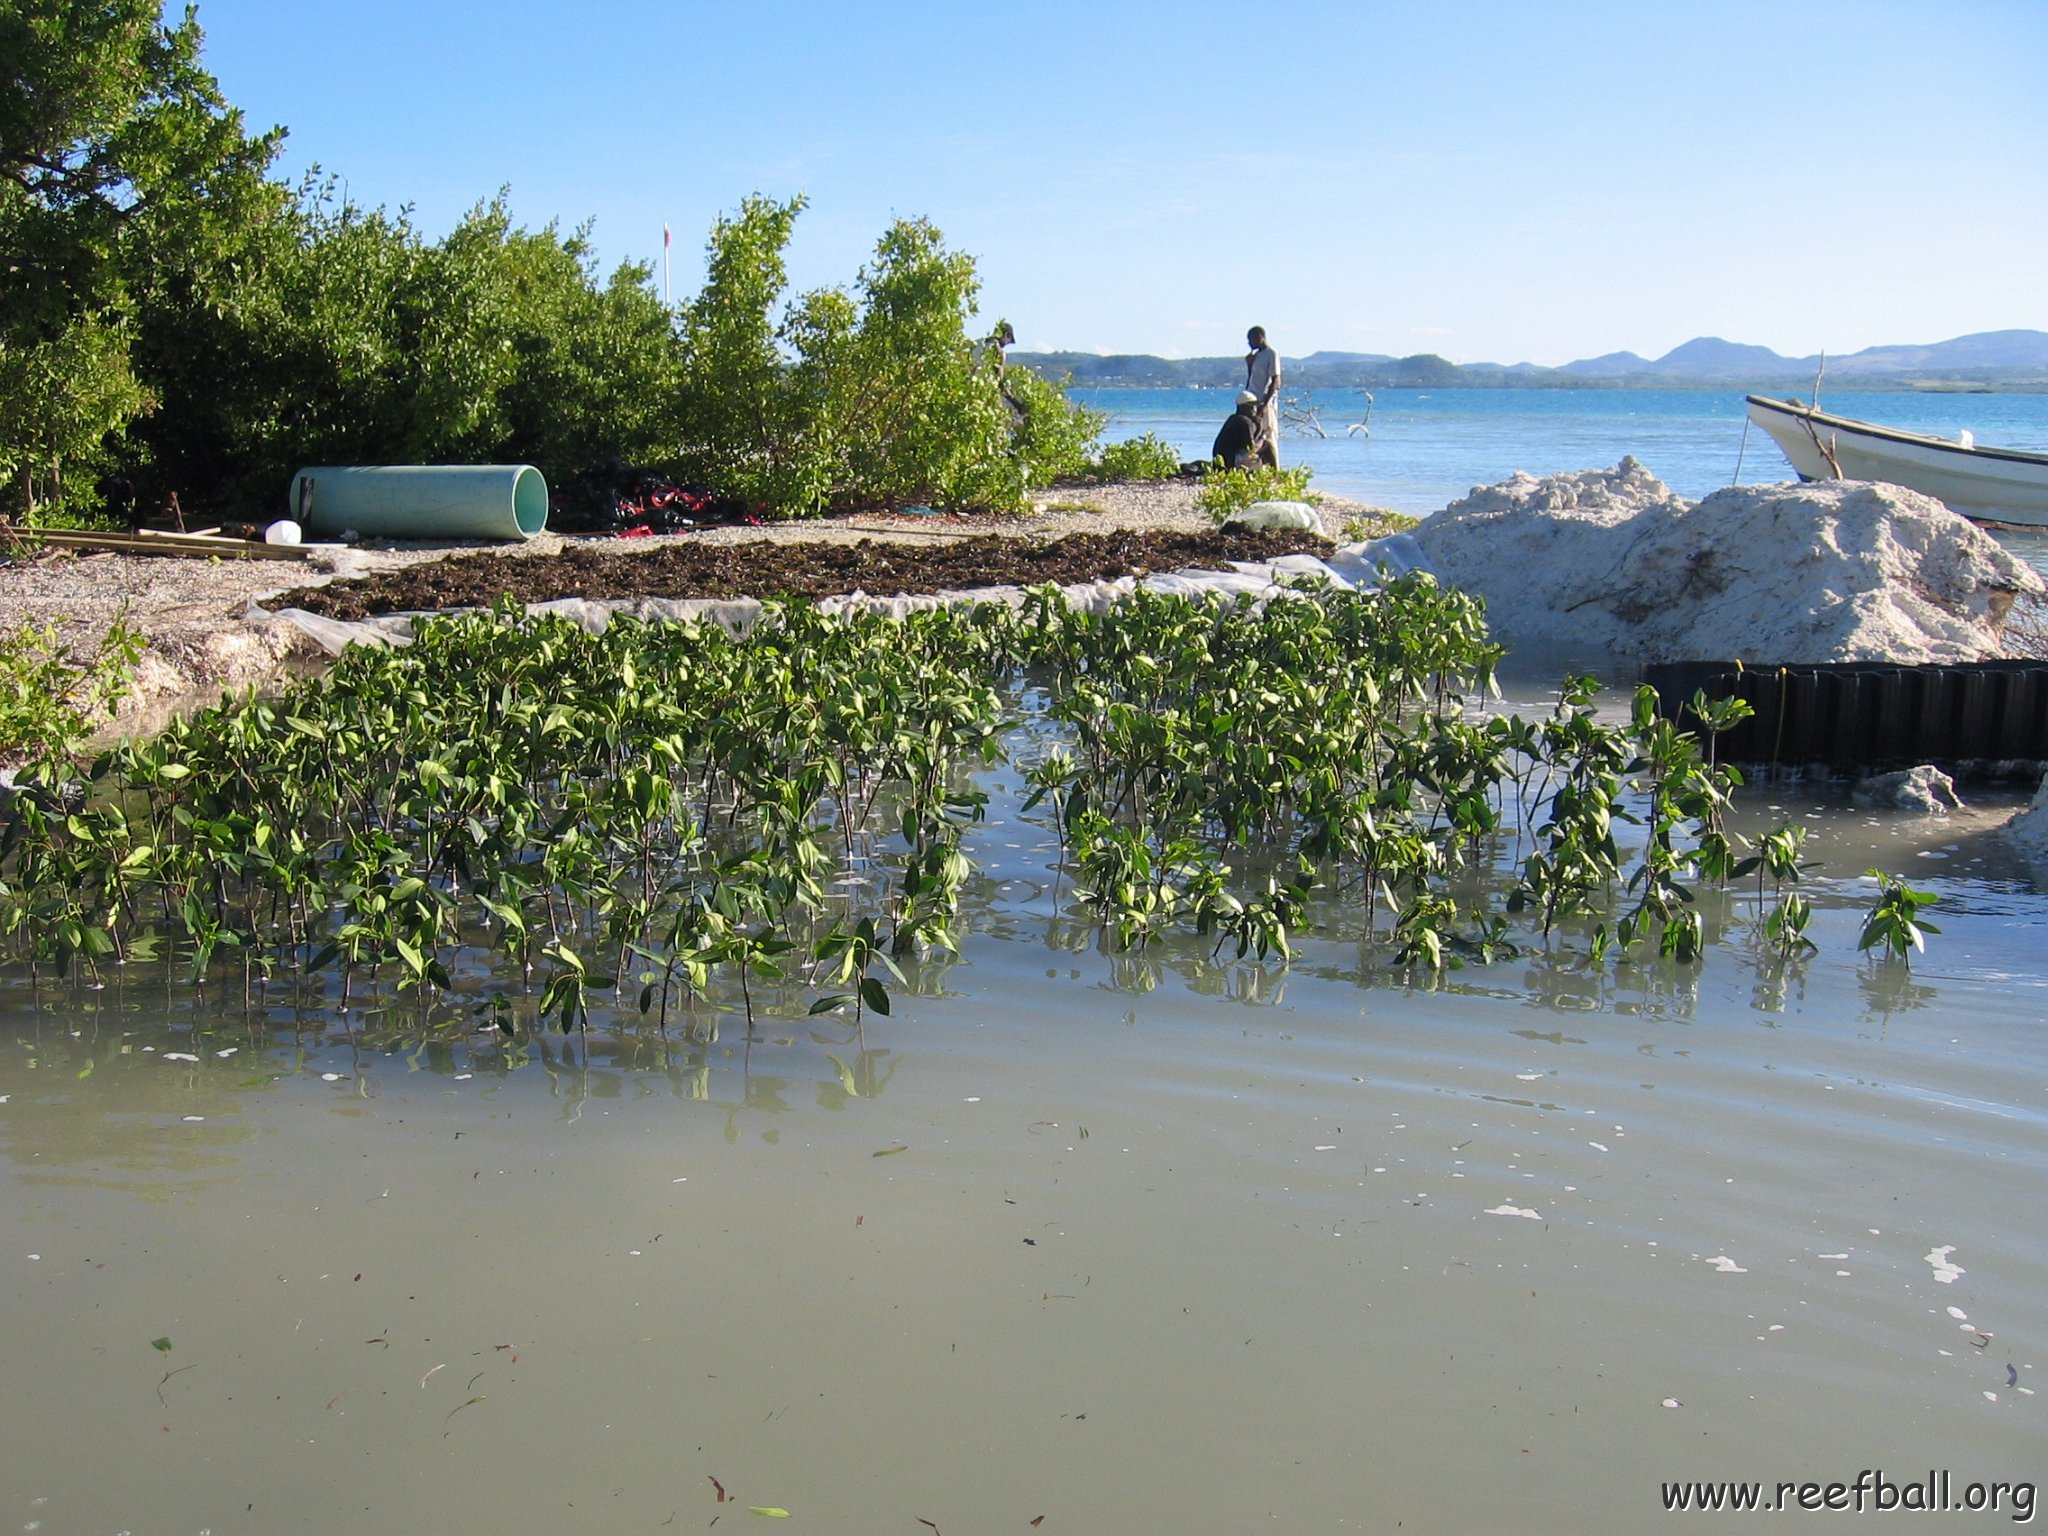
[1262,380]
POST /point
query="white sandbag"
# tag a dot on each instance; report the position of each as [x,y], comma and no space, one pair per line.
[1276,514]
[1925,789]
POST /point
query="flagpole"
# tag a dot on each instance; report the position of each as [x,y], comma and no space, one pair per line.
[664,265]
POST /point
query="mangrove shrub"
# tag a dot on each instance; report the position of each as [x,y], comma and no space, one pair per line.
[347,337]
[177,322]
[122,171]
[875,394]
[664,820]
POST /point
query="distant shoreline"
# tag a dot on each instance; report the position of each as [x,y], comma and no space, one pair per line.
[2014,361]
[1783,387]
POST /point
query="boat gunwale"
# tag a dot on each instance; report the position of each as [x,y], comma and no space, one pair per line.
[1794,411]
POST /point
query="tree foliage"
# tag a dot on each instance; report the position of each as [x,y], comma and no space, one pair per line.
[174,316]
[120,166]
[880,393]
[352,339]
[743,413]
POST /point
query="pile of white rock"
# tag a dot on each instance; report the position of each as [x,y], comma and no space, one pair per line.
[1612,560]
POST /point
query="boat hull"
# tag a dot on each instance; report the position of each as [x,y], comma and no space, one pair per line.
[1989,484]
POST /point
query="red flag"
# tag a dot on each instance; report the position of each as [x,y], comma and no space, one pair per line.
[664,237]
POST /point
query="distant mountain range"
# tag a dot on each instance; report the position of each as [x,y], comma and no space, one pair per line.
[1989,359]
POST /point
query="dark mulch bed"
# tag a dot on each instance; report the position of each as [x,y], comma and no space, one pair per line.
[787,570]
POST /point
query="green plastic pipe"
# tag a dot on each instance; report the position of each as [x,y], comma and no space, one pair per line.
[422,501]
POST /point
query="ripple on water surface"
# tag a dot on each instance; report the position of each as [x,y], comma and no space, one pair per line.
[1138,1243]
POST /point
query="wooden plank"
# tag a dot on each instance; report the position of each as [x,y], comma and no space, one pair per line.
[191,546]
[908,531]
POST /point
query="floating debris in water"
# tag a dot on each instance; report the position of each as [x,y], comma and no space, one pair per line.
[1726,1265]
[1945,1272]
[1514,1210]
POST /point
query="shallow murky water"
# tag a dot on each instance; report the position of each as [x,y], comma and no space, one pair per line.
[1140,1245]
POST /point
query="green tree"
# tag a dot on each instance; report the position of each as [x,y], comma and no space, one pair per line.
[597,365]
[848,397]
[1052,438]
[348,338]
[920,413]
[297,355]
[121,167]
[59,400]
[747,420]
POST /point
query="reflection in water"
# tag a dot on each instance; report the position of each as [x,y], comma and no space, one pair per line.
[1660,989]
[1565,983]
[1499,1217]
[116,1110]
[1780,985]
[1889,988]
[1550,1037]
[864,1078]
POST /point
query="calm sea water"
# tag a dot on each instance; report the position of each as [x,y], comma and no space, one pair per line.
[1075,1241]
[1429,447]
[1071,1242]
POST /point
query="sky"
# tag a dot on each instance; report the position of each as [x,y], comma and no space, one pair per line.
[1497,182]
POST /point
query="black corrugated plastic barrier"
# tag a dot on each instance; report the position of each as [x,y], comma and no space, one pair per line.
[1980,717]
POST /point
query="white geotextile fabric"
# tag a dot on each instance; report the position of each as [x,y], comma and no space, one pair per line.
[1352,567]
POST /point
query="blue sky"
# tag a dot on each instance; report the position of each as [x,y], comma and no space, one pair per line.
[1495,182]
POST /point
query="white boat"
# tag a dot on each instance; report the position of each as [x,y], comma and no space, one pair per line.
[2002,485]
